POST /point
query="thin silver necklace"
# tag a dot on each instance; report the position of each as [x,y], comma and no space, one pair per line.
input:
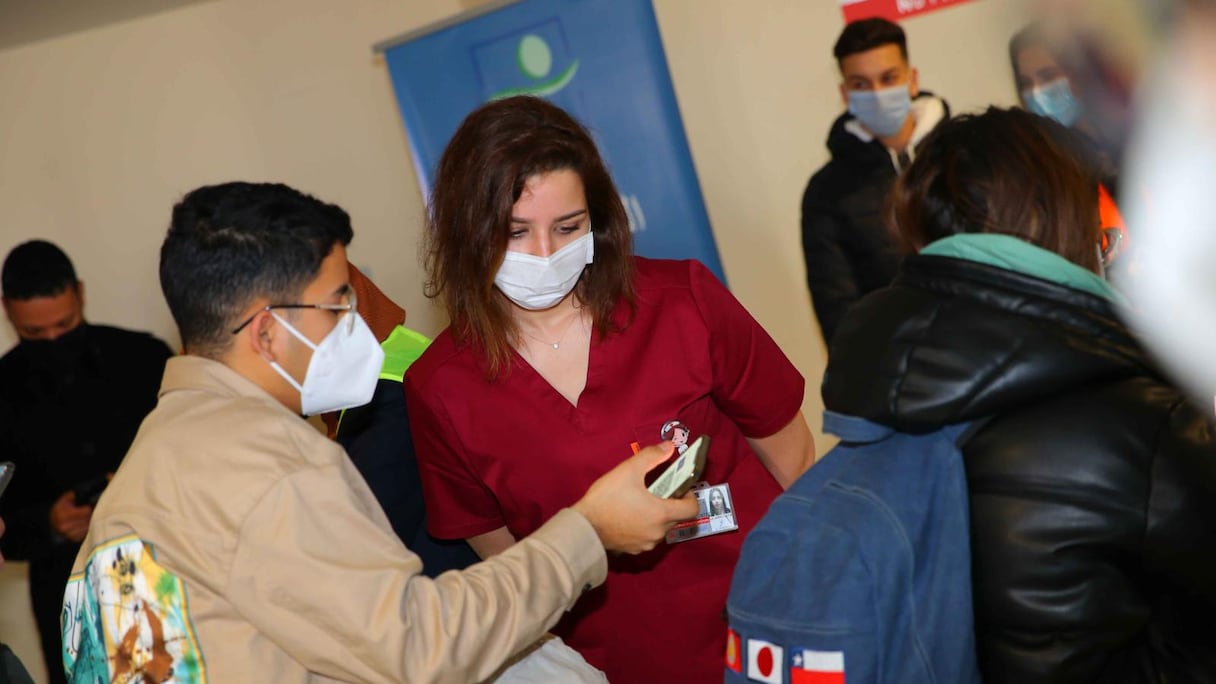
[578,315]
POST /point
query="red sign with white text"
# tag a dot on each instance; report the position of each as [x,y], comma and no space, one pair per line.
[891,9]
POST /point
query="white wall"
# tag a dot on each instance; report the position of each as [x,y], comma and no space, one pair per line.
[104,129]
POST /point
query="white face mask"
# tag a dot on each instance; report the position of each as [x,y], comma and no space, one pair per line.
[536,283]
[343,370]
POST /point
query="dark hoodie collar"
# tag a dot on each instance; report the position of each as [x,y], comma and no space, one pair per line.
[850,150]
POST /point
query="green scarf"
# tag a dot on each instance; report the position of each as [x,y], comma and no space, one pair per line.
[1015,254]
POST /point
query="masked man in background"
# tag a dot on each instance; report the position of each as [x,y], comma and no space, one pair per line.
[848,249]
[72,395]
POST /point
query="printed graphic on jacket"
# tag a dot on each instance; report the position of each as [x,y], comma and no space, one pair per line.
[126,620]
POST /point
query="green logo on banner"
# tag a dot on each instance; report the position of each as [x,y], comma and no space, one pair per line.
[535,61]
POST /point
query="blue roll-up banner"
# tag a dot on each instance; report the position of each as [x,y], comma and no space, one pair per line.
[600,60]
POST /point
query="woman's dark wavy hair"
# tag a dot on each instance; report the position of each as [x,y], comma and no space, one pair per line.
[1003,171]
[481,174]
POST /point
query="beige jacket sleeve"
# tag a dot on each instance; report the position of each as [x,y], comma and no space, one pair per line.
[342,595]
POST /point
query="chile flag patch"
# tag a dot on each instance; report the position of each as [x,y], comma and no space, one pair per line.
[816,667]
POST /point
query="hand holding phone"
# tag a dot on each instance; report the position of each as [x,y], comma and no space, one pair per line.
[683,473]
[625,515]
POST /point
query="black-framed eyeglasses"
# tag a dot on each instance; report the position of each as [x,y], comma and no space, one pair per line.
[349,308]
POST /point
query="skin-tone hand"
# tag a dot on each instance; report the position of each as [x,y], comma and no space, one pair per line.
[69,520]
[627,517]
[624,513]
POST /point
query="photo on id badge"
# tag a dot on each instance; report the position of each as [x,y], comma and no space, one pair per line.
[716,514]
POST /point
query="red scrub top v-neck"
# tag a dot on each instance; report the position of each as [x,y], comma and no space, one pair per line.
[513,451]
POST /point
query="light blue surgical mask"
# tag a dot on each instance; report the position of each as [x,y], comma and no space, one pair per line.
[1053,100]
[884,111]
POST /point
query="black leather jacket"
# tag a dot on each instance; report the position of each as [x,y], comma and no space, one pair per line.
[1092,480]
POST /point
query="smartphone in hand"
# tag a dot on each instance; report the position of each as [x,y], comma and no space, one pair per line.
[683,473]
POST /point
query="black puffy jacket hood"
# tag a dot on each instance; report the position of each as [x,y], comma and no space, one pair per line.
[953,341]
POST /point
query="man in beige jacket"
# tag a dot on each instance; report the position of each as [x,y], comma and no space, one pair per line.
[237,544]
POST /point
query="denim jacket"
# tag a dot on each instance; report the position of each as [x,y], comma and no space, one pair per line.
[862,566]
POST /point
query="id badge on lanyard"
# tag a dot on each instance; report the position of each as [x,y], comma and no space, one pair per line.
[715,509]
[716,514]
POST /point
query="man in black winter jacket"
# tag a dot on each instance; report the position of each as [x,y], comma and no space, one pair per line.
[849,251]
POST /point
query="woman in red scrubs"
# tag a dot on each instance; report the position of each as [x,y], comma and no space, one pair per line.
[565,352]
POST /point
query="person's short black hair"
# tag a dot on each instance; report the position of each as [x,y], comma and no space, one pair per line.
[230,244]
[867,34]
[36,269]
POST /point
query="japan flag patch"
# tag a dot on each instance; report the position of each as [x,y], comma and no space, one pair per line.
[765,661]
[816,667]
